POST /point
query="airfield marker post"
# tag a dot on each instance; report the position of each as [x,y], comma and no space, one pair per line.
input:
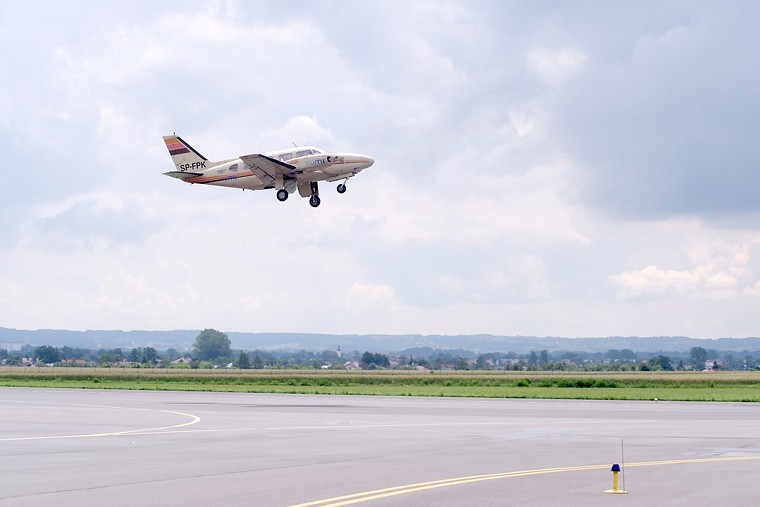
[615,490]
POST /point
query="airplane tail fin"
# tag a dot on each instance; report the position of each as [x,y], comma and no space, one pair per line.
[185,158]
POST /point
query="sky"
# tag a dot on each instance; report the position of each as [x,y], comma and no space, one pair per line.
[572,169]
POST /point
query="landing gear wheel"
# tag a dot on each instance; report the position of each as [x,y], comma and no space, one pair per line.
[282,195]
[341,188]
[314,199]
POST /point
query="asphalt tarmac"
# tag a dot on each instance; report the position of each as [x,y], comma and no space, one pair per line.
[94,447]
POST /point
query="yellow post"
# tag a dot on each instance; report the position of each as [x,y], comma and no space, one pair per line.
[615,490]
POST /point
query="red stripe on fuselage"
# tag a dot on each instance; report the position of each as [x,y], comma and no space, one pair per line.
[215,178]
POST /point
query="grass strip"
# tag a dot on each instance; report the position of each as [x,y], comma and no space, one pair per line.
[676,386]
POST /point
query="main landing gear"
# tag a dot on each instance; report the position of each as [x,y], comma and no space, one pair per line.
[314,200]
[312,192]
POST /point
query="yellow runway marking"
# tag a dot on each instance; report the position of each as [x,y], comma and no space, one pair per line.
[411,488]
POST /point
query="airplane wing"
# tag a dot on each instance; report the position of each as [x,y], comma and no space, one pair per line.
[266,168]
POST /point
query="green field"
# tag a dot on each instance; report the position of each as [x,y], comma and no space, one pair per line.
[681,386]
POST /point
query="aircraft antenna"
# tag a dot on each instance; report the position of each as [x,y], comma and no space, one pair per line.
[294,144]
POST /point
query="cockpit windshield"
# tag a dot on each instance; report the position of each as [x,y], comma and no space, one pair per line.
[307,152]
[300,153]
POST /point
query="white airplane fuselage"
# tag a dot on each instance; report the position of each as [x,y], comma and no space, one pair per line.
[285,170]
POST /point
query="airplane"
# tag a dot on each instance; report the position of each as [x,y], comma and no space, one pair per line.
[300,167]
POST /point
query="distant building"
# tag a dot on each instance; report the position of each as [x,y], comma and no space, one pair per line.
[11,346]
[713,364]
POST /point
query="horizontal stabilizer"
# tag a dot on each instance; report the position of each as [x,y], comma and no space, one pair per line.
[183,175]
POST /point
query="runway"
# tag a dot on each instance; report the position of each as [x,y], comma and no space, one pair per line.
[81,447]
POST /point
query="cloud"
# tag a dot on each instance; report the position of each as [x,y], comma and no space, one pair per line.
[720,271]
[664,125]
[653,280]
[304,130]
[555,66]
[361,294]
[84,221]
[753,291]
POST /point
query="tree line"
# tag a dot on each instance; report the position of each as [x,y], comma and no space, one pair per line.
[213,348]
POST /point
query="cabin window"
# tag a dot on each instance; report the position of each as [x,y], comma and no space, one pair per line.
[285,156]
[303,153]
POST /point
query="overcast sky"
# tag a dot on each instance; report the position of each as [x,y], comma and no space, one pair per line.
[541,168]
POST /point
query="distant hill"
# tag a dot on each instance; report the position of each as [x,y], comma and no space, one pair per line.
[95,339]
[184,339]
